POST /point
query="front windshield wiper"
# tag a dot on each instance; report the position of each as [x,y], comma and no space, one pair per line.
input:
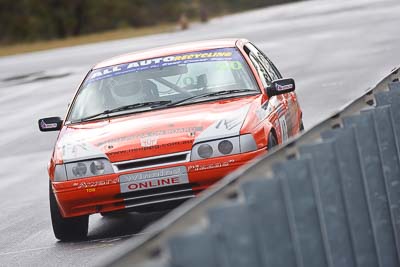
[126,107]
[166,103]
[224,92]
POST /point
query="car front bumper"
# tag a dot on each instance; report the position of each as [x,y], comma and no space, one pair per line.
[139,191]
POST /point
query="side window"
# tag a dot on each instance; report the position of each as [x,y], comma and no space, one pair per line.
[279,75]
[265,78]
[266,62]
[268,66]
[262,73]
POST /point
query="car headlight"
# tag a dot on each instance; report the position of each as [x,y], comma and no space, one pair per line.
[223,147]
[79,169]
[97,167]
[82,169]
[205,151]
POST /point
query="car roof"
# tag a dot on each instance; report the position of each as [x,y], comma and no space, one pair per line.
[170,50]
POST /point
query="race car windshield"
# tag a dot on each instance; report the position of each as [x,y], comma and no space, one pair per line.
[172,79]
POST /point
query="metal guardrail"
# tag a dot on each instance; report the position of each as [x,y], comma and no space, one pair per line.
[330,197]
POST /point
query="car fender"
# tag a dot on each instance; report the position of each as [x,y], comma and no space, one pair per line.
[261,133]
[268,129]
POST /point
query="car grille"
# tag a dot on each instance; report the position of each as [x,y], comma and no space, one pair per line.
[158,195]
[152,161]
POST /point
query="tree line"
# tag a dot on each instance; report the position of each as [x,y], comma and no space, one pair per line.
[31,20]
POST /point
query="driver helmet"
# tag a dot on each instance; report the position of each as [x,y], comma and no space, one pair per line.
[132,92]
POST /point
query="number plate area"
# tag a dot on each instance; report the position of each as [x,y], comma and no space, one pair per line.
[153,179]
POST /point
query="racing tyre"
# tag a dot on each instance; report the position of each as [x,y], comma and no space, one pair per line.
[67,229]
[301,126]
[271,141]
[108,215]
[113,215]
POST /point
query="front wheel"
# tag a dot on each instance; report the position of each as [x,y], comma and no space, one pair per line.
[67,229]
[271,141]
[301,126]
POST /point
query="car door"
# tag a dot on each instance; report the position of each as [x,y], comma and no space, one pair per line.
[275,103]
[289,99]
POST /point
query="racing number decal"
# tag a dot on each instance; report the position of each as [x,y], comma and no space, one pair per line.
[188,81]
[282,123]
[236,65]
[233,65]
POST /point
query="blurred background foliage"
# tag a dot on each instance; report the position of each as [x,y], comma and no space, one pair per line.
[32,20]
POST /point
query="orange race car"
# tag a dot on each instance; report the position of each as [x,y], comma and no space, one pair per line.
[148,130]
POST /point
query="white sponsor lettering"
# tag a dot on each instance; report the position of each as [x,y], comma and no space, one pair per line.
[282,122]
[116,68]
[152,174]
[210,166]
[148,141]
[45,125]
[96,183]
[153,179]
[283,87]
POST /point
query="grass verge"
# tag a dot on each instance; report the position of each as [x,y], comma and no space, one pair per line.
[7,50]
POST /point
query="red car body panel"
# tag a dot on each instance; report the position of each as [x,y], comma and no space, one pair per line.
[149,135]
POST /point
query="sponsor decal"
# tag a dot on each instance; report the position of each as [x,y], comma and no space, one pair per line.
[232,65]
[280,110]
[153,179]
[291,116]
[91,184]
[224,127]
[223,54]
[229,124]
[176,171]
[45,125]
[210,166]
[148,141]
[73,151]
[133,150]
[284,130]
[154,183]
[158,133]
[283,87]
[77,146]
[263,111]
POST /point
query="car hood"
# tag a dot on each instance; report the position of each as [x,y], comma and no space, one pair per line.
[153,133]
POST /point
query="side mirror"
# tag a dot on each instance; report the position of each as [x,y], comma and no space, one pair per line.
[281,86]
[50,124]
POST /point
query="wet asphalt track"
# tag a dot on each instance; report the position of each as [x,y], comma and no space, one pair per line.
[334,49]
